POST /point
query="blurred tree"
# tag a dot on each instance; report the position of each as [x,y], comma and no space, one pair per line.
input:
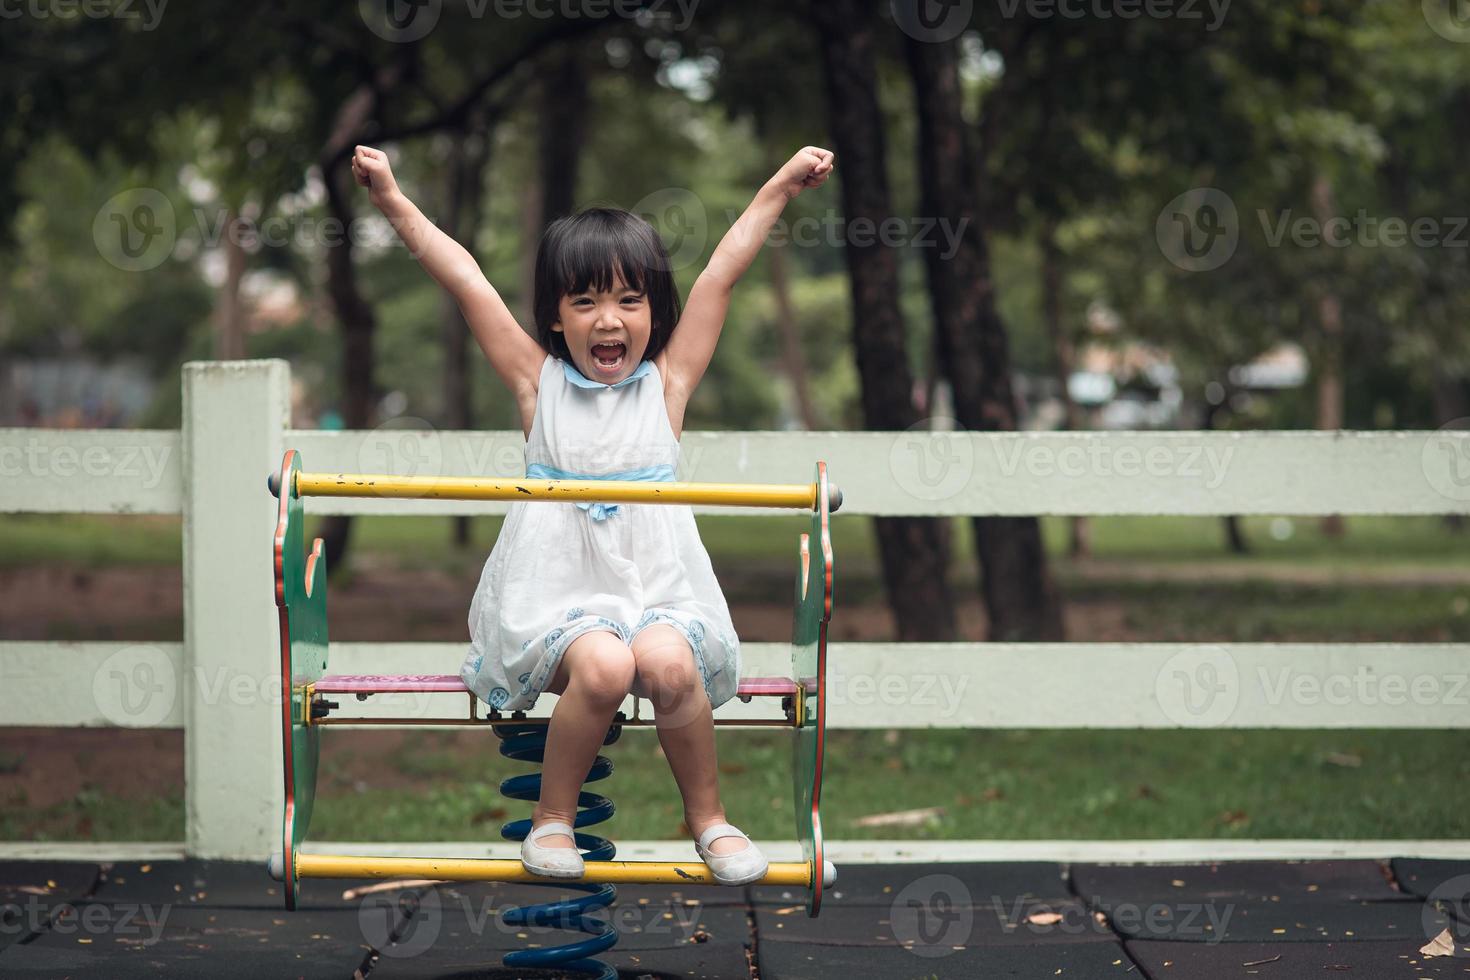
[915,561]
[1020,599]
[464,184]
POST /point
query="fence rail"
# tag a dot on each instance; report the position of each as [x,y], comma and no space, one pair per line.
[220,684]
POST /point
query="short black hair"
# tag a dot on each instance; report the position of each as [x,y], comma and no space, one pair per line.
[586,249]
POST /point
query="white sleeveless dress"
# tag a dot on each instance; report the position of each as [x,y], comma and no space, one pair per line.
[559,570]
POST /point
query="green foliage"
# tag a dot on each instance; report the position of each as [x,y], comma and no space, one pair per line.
[1088,127]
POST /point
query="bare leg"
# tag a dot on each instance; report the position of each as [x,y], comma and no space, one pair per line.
[593,678]
[686,727]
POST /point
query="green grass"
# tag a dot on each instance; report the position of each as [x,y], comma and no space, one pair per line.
[1266,612]
[94,540]
[423,542]
[95,815]
[991,785]
[1004,785]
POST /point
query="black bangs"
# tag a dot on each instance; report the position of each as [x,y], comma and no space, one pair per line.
[591,250]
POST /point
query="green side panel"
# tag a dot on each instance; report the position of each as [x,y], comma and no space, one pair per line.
[809,666]
[303,602]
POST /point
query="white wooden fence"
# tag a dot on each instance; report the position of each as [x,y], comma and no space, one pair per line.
[221,683]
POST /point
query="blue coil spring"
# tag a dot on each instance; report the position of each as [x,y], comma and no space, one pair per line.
[527,743]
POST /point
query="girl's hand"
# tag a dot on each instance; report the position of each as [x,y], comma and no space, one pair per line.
[370,168]
[811,167]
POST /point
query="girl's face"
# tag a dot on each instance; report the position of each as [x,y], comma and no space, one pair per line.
[606,331]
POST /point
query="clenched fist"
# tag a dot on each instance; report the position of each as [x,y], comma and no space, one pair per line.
[811,167]
[370,168]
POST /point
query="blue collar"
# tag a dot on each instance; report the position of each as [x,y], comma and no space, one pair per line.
[575,377]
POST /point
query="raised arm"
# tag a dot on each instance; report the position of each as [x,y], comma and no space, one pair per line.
[693,343]
[515,357]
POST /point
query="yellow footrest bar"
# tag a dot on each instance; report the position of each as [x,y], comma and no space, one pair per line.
[797,874]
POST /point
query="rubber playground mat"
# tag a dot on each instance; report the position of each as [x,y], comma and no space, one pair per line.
[1366,919]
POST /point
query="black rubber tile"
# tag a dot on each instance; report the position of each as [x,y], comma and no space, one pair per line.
[120,942]
[218,884]
[703,894]
[1078,961]
[1290,961]
[32,891]
[934,926]
[960,884]
[459,935]
[709,961]
[1246,920]
[1448,881]
[454,919]
[1287,881]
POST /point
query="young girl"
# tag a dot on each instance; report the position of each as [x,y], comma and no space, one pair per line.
[590,601]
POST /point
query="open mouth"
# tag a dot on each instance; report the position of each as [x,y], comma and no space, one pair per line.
[608,358]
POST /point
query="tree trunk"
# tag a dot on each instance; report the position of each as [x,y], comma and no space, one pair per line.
[358,324]
[563,130]
[790,334]
[229,311]
[913,555]
[1079,543]
[531,227]
[1329,359]
[1450,405]
[469,153]
[1235,537]
[1020,599]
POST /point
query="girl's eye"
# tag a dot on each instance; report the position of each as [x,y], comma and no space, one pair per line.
[632,299]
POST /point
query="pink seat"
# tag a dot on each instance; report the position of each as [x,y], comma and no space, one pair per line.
[389,683]
[451,684]
[766,687]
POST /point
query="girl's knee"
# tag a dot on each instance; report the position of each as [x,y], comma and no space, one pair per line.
[600,666]
[665,663]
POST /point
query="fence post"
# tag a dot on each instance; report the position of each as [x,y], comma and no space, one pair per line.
[235,417]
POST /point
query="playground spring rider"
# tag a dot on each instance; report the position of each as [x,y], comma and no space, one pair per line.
[301,594]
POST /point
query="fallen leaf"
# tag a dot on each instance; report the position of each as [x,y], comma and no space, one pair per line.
[900,818]
[1044,918]
[388,886]
[1441,945]
[1344,759]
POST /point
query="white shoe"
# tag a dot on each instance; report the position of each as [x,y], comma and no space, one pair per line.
[736,868]
[554,862]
